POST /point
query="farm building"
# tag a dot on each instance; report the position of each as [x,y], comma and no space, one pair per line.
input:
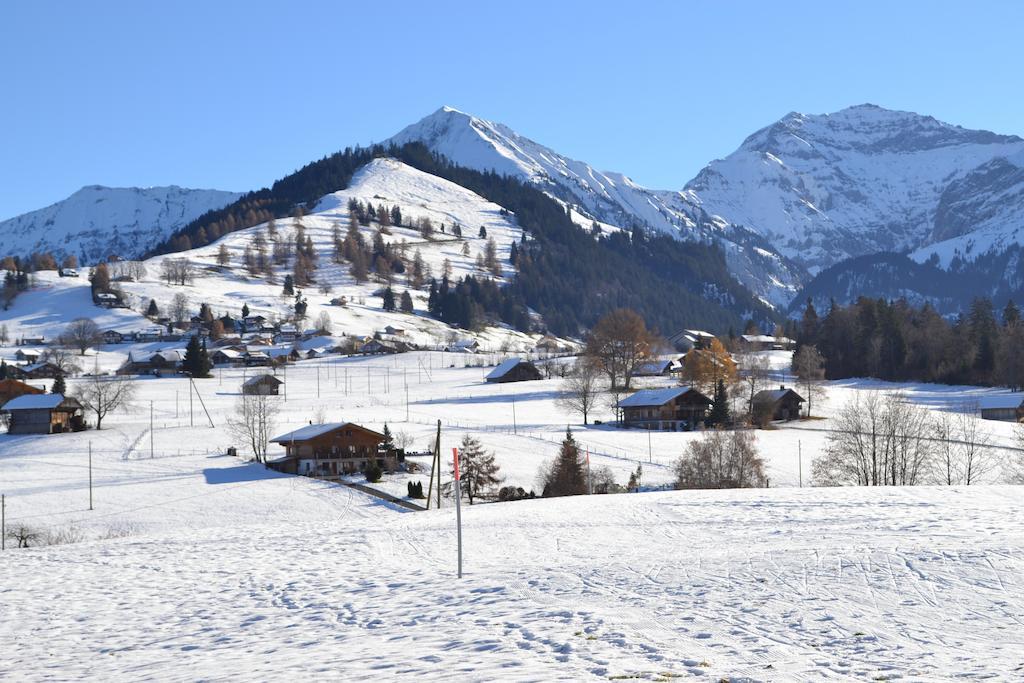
[675,408]
[654,368]
[261,385]
[690,339]
[44,414]
[332,449]
[1004,407]
[463,346]
[12,388]
[28,355]
[226,357]
[766,342]
[43,370]
[156,362]
[113,337]
[782,403]
[513,370]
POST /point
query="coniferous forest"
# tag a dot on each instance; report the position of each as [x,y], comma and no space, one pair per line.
[569,274]
[899,342]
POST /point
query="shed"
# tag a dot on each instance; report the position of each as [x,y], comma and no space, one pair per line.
[44,414]
[261,385]
[1005,407]
[513,370]
[783,403]
[674,408]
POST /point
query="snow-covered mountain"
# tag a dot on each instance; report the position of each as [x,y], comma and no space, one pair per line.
[98,221]
[610,198]
[865,179]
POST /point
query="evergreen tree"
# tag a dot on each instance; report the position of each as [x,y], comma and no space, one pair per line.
[566,476]
[152,311]
[406,302]
[483,232]
[197,361]
[289,287]
[478,472]
[389,299]
[245,310]
[719,415]
[59,386]
[1011,314]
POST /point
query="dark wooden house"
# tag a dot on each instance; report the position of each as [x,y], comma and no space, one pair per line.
[261,385]
[44,414]
[12,388]
[674,409]
[513,370]
[332,449]
[1005,407]
[781,403]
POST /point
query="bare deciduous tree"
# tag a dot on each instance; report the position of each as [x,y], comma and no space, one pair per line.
[179,310]
[62,359]
[253,422]
[721,460]
[755,376]
[177,271]
[809,368]
[103,395]
[81,334]
[581,389]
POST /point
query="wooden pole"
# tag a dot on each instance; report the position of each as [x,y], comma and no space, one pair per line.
[151,422]
[458,505]
[3,522]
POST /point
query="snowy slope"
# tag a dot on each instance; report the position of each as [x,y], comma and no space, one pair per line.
[607,197]
[98,221]
[826,187]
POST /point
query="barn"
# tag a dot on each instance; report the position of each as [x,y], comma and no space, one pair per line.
[261,385]
[513,370]
[781,403]
[44,414]
[1004,407]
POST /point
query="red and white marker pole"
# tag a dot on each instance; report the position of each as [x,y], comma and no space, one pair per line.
[458,505]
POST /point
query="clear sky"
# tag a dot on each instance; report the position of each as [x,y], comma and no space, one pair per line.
[232,95]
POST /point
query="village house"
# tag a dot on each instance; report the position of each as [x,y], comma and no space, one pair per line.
[12,388]
[261,385]
[464,346]
[152,362]
[226,357]
[673,409]
[44,414]
[1003,407]
[45,370]
[332,449]
[257,359]
[149,334]
[654,368]
[286,335]
[107,300]
[32,341]
[513,370]
[28,355]
[691,339]
[781,403]
[766,342]
[549,345]
[113,337]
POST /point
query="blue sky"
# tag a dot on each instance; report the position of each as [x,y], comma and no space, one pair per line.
[233,95]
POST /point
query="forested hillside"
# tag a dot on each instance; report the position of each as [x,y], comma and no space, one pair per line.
[569,275]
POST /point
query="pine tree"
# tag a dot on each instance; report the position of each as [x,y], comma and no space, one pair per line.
[483,232]
[152,311]
[288,289]
[59,386]
[197,361]
[566,477]
[389,299]
[719,415]
[405,302]
[245,310]
[478,472]
[1011,314]
[3,369]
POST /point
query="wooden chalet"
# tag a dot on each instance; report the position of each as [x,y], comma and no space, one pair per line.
[152,362]
[44,414]
[513,370]
[12,388]
[28,355]
[113,337]
[654,368]
[45,370]
[332,449]
[261,385]
[781,403]
[673,409]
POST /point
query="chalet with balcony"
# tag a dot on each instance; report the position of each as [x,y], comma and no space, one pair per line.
[332,449]
[673,409]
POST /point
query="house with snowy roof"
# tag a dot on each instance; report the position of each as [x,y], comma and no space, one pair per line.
[781,403]
[1004,407]
[43,414]
[673,409]
[333,449]
[513,370]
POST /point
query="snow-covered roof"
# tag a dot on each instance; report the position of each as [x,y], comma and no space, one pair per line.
[260,378]
[773,395]
[758,338]
[34,402]
[504,368]
[654,367]
[1001,401]
[313,431]
[653,397]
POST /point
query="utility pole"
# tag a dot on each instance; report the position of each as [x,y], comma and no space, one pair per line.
[151,422]
[90,475]
[514,428]
[458,505]
[406,402]
[650,451]
[318,380]
[191,421]
[435,467]
[175,406]
[590,478]
[3,522]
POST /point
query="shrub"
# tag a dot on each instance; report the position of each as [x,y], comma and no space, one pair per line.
[415,489]
[372,472]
